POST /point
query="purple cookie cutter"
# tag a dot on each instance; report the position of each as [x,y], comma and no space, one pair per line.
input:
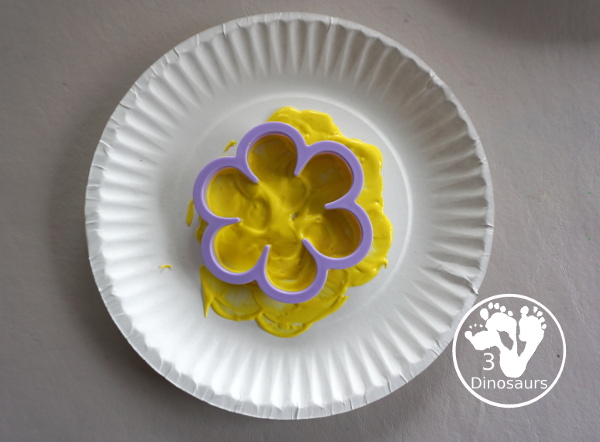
[258,273]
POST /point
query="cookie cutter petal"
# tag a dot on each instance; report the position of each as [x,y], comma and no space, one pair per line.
[259,272]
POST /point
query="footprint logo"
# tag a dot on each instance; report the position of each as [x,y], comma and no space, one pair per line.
[518,327]
[529,328]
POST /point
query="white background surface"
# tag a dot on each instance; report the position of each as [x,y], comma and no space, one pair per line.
[528,74]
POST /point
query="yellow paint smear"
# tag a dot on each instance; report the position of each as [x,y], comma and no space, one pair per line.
[281,210]
[229,145]
[189,216]
[166,266]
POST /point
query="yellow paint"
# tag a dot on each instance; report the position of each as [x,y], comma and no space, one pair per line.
[229,145]
[166,266]
[189,216]
[281,210]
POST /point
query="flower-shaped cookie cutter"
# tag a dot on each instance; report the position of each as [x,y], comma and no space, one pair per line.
[258,272]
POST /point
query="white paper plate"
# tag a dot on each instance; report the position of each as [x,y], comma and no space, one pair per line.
[214,87]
